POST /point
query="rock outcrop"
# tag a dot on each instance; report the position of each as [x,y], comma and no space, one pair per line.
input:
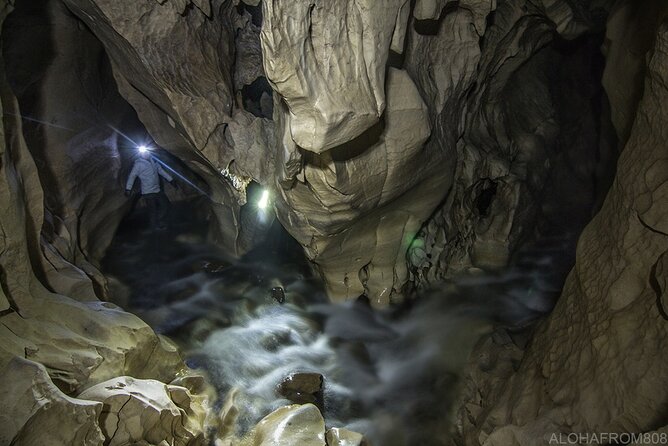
[297,424]
[136,411]
[36,412]
[327,62]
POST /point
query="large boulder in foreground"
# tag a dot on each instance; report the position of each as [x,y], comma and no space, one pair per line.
[149,411]
[33,411]
[289,425]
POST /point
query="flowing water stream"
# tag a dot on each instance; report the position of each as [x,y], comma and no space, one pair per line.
[389,374]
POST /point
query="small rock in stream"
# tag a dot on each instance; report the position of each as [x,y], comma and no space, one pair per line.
[302,388]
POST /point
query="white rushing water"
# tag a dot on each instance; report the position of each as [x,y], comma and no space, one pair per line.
[390,374]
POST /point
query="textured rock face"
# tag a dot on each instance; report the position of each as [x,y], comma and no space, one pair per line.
[295,424]
[149,411]
[173,61]
[52,346]
[327,61]
[408,142]
[62,79]
[35,411]
[525,106]
[355,207]
[598,363]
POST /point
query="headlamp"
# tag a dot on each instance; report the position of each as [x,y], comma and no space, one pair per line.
[264,200]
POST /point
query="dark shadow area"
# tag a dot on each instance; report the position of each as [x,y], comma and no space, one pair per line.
[257,98]
[430,27]
[359,145]
[254,11]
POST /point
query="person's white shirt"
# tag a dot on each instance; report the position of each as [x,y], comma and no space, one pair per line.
[149,171]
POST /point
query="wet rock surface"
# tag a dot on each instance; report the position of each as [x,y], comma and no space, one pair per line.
[302,388]
[297,424]
[344,437]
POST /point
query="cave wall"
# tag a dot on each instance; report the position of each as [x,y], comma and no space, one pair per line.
[396,152]
[53,346]
[528,143]
[70,106]
[174,62]
[501,104]
[597,364]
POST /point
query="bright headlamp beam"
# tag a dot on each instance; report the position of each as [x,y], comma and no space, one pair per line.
[143,149]
[264,200]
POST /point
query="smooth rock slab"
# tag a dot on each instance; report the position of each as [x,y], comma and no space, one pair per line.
[343,437]
[288,426]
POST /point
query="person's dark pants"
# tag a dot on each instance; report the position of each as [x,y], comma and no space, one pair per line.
[158,205]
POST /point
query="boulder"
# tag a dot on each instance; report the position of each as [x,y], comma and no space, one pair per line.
[302,388]
[33,411]
[343,437]
[291,425]
[148,411]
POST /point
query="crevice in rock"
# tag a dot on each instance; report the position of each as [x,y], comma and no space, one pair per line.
[254,11]
[649,227]
[483,200]
[656,287]
[257,98]
[430,27]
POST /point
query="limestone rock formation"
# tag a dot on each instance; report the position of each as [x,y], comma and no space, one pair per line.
[147,411]
[34,411]
[374,104]
[52,346]
[343,437]
[354,207]
[297,424]
[184,95]
[61,77]
[514,140]
[598,363]
[327,61]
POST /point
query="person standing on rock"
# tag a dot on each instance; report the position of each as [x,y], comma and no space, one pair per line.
[149,171]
